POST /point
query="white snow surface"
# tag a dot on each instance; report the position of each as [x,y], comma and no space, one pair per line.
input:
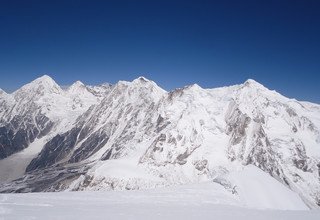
[199,201]
[257,189]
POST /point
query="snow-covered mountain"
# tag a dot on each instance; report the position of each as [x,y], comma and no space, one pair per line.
[135,135]
[38,111]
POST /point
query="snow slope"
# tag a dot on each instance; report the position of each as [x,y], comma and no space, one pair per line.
[257,190]
[200,201]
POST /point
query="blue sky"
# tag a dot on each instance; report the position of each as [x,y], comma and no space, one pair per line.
[175,43]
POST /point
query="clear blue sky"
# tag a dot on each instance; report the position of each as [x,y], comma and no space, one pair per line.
[175,43]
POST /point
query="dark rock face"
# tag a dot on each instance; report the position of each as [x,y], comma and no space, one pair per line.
[107,155]
[161,124]
[237,123]
[90,146]
[21,131]
[55,150]
[300,158]
[262,154]
[54,178]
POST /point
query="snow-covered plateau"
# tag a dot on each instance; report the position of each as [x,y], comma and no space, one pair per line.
[208,152]
[198,201]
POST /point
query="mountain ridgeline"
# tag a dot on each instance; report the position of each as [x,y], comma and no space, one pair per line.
[135,135]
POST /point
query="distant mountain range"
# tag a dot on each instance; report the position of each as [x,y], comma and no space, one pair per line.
[135,135]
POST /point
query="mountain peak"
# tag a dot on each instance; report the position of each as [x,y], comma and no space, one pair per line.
[144,82]
[253,84]
[40,85]
[106,85]
[77,88]
[76,84]
[251,81]
[194,87]
[141,79]
[44,79]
